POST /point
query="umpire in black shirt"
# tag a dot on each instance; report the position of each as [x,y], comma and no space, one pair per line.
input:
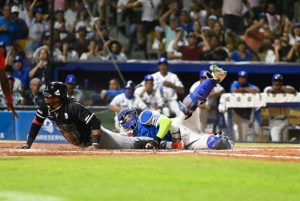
[77,124]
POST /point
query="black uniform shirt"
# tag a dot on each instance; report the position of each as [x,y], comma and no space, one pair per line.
[72,119]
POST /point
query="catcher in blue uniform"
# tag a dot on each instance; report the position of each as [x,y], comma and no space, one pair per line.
[166,132]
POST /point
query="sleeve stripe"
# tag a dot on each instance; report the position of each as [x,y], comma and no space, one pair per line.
[89,119]
[40,116]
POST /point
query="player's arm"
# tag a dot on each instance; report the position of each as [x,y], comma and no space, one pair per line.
[7,93]
[36,125]
[90,119]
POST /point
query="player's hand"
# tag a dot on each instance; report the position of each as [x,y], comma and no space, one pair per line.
[24,146]
[153,144]
[11,108]
[169,84]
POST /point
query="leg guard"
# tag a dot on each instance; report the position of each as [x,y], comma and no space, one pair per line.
[191,101]
[219,141]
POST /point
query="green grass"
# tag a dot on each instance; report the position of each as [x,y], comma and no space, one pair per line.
[144,178]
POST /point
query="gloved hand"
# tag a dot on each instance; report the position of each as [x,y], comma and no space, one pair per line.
[152,144]
[24,146]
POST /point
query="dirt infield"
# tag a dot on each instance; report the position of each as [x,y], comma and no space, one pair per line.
[263,152]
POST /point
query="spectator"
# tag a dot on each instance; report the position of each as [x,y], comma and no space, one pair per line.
[7,27]
[184,21]
[297,11]
[70,15]
[191,51]
[113,90]
[158,44]
[82,20]
[169,28]
[72,89]
[34,96]
[20,27]
[295,35]
[59,23]
[241,117]
[219,31]
[282,48]
[197,12]
[37,27]
[115,52]
[126,100]
[92,53]
[169,85]
[150,96]
[134,20]
[16,93]
[273,20]
[24,12]
[81,44]
[211,21]
[197,30]
[104,33]
[233,15]
[21,72]
[69,54]
[174,53]
[257,32]
[294,53]
[215,51]
[279,116]
[241,54]
[209,109]
[149,17]
[98,9]
[42,68]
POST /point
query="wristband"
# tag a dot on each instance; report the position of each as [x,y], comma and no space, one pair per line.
[9,99]
[95,140]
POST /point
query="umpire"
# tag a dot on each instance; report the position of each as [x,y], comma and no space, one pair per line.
[77,124]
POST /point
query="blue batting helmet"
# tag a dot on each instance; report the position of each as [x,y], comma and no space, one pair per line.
[129,123]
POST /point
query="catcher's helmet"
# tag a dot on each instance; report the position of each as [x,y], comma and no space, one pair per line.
[57,89]
[129,123]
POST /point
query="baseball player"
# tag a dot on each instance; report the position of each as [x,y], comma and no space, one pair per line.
[4,82]
[159,127]
[210,105]
[169,86]
[77,124]
[278,116]
[126,100]
[150,96]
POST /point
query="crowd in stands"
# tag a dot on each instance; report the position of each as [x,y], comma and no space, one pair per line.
[118,30]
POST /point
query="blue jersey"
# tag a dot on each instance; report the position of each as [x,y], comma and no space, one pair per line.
[147,125]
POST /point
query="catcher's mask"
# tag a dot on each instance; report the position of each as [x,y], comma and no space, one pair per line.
[128,119]
[56,89]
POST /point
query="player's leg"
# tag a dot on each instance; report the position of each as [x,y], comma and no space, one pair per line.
[112,140]
[191,101]
[196,141]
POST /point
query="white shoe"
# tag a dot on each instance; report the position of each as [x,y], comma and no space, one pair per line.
[217,72]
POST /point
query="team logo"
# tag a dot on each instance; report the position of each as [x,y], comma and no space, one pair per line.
[66,116]
[57,93]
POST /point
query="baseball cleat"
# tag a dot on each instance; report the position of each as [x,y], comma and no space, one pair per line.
[217,73]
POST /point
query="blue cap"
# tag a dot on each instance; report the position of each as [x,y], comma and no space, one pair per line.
[163,60]
[242,74]
[202,73]
[277,77]
[18,59]
[148,77]
[129,84]
[70,79]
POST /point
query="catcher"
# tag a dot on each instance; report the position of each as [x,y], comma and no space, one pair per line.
[161,128]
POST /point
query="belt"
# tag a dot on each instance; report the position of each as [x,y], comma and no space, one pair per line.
[278,118]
